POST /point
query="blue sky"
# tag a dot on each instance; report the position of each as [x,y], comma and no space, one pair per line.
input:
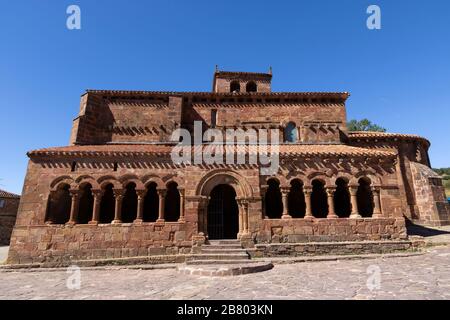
[398,77]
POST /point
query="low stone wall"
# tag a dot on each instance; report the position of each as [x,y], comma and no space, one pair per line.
[58,243]
[329,248]
[6,227]
[303,230]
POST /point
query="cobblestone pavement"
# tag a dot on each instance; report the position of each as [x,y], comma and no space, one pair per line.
[418,277]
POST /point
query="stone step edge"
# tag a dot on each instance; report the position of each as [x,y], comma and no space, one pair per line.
[223,271]
[173,265]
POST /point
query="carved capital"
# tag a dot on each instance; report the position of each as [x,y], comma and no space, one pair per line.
[74,193]
[161,192]
[307,190]
[119,193]
[141,193]
[97,193]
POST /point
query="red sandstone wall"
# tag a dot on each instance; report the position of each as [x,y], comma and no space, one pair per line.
[422,202]
[7,219]
[33,241]
[316,123]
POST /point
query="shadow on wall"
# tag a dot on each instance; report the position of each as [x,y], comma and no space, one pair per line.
[417,230]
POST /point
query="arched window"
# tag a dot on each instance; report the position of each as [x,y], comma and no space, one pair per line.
[296,199]
[290,132]
[86,204]
[59,203]
[172,203]
[151,204]
[342,204]
[235,86]
[251,87]
[273,201]
[107,205]
[129,203]
[319,203]
[365,198]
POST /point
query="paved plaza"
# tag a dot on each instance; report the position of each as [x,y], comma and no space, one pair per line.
[417,277]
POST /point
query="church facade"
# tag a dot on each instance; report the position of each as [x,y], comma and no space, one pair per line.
[115,190]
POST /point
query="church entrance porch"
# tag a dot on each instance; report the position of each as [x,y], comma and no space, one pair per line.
[223,213]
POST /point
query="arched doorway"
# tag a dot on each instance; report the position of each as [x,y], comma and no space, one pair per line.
[223,213]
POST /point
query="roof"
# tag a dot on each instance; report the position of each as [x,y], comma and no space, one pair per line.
[343,95]
[242,73]
[287,150]
[354,135]
[6,194]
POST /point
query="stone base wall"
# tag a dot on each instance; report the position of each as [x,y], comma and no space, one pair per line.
[52,243]
[302,230]
[329,248]
[7,222]
[8,216]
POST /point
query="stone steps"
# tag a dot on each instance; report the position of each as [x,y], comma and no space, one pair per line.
[225,242]
[219,252]
[221,262]
[224,256]
[222,250]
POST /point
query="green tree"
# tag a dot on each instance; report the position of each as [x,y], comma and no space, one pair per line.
[364,125]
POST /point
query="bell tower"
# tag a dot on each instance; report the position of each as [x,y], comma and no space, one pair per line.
[242,82]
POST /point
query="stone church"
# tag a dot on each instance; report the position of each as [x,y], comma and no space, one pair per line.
[115,192]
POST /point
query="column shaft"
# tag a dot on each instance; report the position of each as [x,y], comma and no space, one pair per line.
[96,208]
[162,195]
[354,200]
[330,199]
[74,207]
[308,209]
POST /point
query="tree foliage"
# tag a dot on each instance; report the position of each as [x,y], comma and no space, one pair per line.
[364,125]
[443,172]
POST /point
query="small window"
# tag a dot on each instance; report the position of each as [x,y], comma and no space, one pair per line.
[235,86]
[251,87]
[213,118]
[2,203]
[290,132]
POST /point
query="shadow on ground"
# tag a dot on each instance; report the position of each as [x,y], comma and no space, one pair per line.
[417,230]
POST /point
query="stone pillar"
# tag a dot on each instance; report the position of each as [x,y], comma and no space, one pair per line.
[263,200]
[140,206]
[181,218]
[162,195]
[330,197]
[377,203]
[118,194]
[308,210]
[97,194]
[75,194]
[354,200]
[284,195]
[243,206]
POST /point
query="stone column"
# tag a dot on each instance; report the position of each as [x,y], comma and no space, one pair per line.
[205,203]
[140,206]
[284,195]
[98,194]
[263,200]
[118,194]
[377,202]
[243,208]
[181,218]
[308,210]
[354,200]
[75,194]
[162,195]
[330,197]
